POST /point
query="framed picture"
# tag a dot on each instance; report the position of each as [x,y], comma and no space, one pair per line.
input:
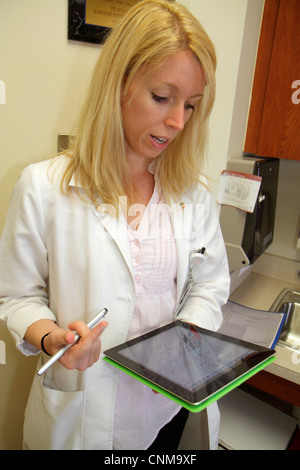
[91,20]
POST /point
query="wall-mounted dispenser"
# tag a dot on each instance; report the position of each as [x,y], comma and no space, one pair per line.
[247,235]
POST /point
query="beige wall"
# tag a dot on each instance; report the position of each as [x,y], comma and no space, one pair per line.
[46,76]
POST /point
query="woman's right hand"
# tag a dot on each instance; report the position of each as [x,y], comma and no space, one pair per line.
[84,353]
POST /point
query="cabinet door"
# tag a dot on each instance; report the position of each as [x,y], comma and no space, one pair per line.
[274,119]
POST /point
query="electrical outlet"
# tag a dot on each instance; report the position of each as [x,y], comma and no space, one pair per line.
[64,141]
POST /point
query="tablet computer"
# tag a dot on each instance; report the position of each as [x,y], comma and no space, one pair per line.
[189,364]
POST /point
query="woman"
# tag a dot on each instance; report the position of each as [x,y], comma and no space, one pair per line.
[113,224]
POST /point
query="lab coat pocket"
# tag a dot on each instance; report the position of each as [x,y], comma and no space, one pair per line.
[53,418]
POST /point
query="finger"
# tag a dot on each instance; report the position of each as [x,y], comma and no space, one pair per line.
[89,339]
[80,327]
[86,335]
[69,337]
[57,339]
[95,337]
[98,329]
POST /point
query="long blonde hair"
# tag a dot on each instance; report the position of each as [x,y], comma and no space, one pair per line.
[149,32]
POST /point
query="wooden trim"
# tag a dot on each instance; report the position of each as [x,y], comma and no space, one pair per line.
[279,133]
[276,386]
[261,75]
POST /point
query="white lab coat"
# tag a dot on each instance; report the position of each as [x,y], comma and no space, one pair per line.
[63,259]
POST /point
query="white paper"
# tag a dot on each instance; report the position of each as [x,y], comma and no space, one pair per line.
[255,326]
[239,190]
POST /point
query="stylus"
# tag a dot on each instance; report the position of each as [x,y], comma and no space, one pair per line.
[97,318]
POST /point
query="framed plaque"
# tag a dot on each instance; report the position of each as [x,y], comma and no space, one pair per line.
[91,20]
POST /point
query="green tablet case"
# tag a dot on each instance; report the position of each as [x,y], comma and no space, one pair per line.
[212,398]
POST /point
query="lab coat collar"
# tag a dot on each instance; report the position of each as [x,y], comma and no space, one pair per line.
[75,183]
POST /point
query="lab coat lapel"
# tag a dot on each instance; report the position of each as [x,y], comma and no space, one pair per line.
[114,226]
[117,230]
[181,219]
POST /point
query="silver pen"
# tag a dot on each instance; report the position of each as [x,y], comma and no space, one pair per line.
[97,319]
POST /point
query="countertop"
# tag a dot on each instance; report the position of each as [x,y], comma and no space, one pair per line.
[259,289]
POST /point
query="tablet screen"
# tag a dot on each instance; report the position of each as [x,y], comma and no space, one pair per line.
[188,361]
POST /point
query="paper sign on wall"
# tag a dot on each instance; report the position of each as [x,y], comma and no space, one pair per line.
[239,190]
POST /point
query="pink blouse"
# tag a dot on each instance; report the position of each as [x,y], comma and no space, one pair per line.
[139,412]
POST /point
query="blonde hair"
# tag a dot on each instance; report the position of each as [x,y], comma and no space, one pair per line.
[148,34]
